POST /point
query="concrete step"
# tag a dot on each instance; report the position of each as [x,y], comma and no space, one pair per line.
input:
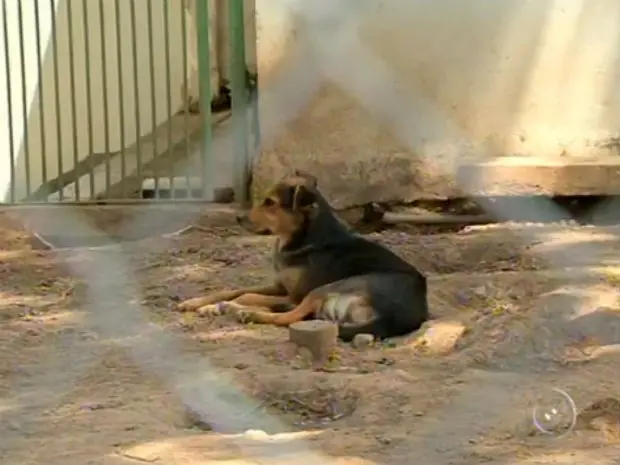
[541,176]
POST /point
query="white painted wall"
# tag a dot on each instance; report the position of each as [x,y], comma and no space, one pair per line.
[532,77]
[48,145]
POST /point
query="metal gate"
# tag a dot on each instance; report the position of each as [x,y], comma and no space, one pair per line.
[109,100]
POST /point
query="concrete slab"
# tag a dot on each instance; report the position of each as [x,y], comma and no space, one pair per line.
[541,176]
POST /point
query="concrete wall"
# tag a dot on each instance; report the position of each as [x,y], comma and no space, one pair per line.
[367,90]
[28,115]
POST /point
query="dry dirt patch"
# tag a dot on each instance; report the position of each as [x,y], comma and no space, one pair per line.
[70,395]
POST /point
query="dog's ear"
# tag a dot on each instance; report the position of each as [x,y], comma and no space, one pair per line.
[296,197]
[308,177]
[303,197]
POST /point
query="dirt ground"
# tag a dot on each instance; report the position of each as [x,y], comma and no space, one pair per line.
[96,369]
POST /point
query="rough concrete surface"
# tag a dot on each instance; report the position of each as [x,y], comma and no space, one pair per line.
[356,158]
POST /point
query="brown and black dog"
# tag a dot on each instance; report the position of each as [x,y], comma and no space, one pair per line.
[323,271]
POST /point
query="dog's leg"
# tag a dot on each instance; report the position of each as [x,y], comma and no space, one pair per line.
[307,307]
[258,302]
[194,304]
[263,300]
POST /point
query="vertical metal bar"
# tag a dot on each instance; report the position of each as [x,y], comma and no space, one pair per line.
[239,100]
[121,93]
[37,27]
[89,99]
[136,87]
[24,89]
[204,78]
[254,97]
[168,91]
[59,144]
[149,22]
[73,97]
[188,162]
[9,100]
[106,109]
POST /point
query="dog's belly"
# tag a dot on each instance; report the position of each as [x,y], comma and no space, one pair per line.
[345,309]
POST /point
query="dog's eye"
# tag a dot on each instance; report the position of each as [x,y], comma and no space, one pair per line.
[268,202]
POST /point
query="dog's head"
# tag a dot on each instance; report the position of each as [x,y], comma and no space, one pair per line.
[285,208]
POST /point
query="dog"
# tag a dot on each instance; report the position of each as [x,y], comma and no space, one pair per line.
[323,270]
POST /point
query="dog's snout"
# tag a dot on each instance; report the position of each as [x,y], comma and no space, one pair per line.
[245,222]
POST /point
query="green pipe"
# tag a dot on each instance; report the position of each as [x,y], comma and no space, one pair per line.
[121,91]
[89,98]
[238,70]
[204,76]
[74,132]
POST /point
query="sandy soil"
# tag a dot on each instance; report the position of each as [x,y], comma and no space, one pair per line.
[105,373]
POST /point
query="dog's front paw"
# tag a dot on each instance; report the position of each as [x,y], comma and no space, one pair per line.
[218,309]
[190,305]
[243,316]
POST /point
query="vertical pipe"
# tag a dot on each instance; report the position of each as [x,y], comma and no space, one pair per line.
[121,92]
[9,99]
[204,78]
[24,102]
[59,144]
[89,98]
[254,111]
[73,97]
[149,23]
[184,46]
[239,100]
[222,47]
[37,27]
[136,88]
[168,90]
[106,110]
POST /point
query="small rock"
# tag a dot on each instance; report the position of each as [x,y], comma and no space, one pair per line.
[13,426]
[93,407]
[328,368]
[223,195]
[241,366]
[256,434]
[194,419]
[480,291]
[362,341]
[462,298]
[441,337]
[390,343]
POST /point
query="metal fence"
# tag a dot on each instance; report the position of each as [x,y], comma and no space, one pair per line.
[99,105]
